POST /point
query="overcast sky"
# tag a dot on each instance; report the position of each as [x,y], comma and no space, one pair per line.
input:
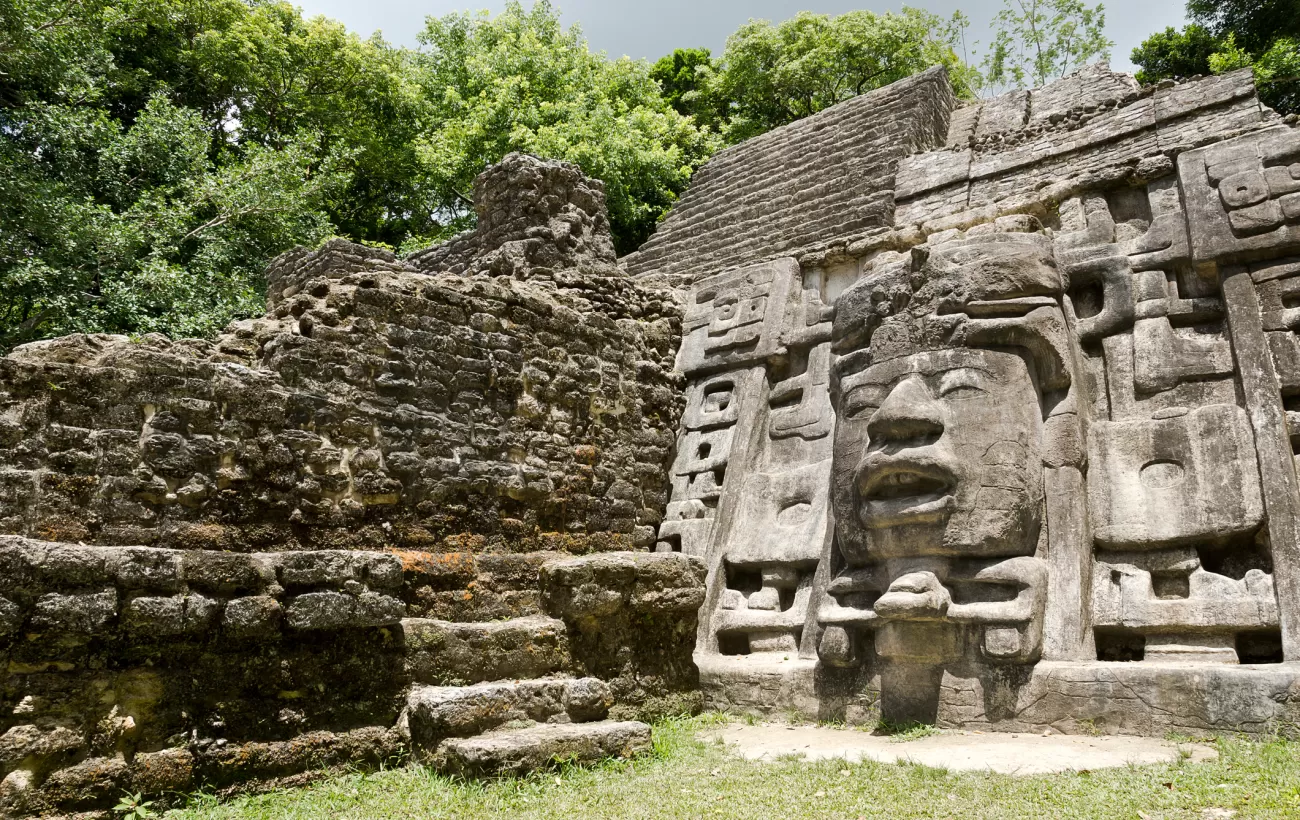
[652,28]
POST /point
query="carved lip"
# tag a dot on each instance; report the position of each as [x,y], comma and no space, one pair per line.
[904,490]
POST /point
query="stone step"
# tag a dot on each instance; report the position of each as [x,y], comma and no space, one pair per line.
[448,653]
[435,713]
[519,751]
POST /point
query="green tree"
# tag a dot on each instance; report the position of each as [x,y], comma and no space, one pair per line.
[1229,34]
[1172,53]
[520,81]
[128,212]
[1037,41]
[774,74]
[686,77]
[1255,24]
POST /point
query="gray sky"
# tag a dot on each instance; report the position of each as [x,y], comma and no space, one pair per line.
[652,28]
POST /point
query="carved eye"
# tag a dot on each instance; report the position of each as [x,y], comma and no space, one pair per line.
[962,384]
[863,402]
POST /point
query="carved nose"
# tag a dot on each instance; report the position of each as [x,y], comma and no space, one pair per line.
[909,412]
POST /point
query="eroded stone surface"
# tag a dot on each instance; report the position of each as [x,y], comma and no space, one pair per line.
[229,562]
[1042,415]
[980,414]
[525,750]
[1018,754]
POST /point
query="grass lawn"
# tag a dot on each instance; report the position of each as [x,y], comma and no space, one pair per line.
[689,778]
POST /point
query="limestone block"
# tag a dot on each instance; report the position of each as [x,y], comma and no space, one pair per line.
[525,750]
[1163,358]
[923,173]
[28,740]
[170,770]
[716,401]
[1170,481]
[82,613]
[440,651]
[153,569]
[1243,196]
[783,517]
[337,610]
[226,573]
[1124,596]
[801,405]
[1003,114]
[587,588]
[1109,269]
[437,712]
[152,617]
[309,569]
[11,617]
[703,451]
[255,616]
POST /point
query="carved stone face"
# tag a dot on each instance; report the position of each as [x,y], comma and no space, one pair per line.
[939,454]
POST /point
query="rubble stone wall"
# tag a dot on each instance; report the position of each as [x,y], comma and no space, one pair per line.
[376,405]
[238,562]
[157,671]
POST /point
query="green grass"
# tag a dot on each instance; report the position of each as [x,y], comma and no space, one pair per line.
[690,778]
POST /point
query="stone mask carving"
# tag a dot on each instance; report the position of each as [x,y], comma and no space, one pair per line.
[948,366]
[933,454]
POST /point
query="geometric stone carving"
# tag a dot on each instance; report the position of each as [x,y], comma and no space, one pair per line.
[716,401]
[735,318]
[782,518]
[801,404]
[1174,480]
[1046,422]
[1243,196]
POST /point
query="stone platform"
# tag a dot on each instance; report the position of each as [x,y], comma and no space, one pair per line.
[1114,698]
[1018,754]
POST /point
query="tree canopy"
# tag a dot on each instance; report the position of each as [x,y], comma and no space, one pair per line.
[1037,41]
[155,154]
[1230,34]
[520,81]
[773,74]
[130,199]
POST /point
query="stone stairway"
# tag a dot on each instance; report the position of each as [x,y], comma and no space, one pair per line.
[500,720]
[519,659]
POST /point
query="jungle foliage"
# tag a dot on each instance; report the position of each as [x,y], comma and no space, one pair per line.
[1229,34]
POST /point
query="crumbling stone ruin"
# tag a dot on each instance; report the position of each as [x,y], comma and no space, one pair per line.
[412,504]
[977,414]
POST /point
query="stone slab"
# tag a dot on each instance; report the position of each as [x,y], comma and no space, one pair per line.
[1112,698]
[1016,754]
[434,713]
[521,751]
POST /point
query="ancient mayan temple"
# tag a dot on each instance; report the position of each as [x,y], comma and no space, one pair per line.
[979,414]
[991,409]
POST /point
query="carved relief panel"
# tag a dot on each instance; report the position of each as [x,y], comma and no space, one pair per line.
[751,479]
[1013,443]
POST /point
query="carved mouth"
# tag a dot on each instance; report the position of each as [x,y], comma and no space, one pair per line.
[905,485]
[901,492]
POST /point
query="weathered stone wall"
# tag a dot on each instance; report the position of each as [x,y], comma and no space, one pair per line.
[792,190]
[249,560]
[374,406]
[155,670]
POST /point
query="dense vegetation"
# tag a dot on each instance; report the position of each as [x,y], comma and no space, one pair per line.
[155,154]
[1230,34]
